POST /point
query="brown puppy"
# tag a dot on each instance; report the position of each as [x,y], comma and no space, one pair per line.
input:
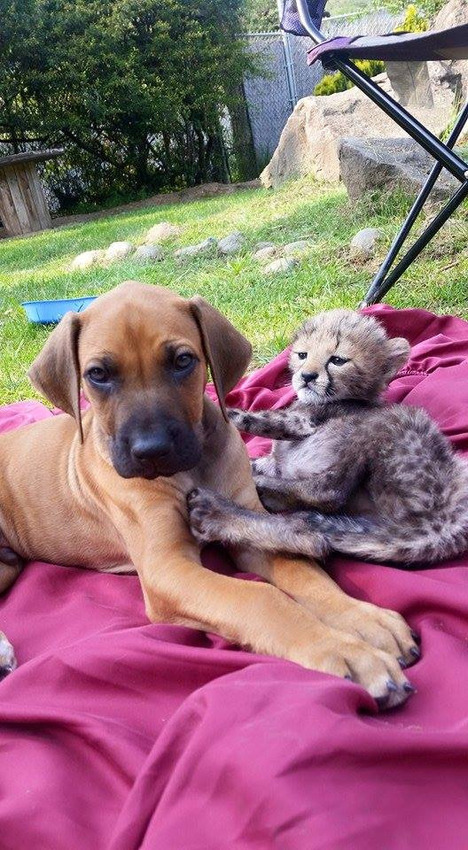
[107,489]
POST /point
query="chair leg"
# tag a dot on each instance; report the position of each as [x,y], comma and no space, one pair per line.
[421,242]
[372,295]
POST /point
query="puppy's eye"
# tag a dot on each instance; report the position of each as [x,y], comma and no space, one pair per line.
[183,361]
[301,354]
[338,361]
[98,375]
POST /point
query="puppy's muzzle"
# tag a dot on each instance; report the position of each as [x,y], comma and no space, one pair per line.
[150,450]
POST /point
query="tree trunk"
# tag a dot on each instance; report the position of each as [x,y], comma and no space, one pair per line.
[243,143]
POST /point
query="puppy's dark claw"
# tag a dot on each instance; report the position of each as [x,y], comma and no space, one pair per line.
[4,671]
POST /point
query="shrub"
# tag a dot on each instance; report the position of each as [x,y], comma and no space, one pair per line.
[413,21]
[331,83]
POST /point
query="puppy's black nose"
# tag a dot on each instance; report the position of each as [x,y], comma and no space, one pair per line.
[308,377]
[151,446]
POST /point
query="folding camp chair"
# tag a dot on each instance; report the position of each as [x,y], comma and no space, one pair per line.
[303,17]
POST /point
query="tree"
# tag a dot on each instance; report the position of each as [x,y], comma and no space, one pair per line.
[133,89]
[260,16]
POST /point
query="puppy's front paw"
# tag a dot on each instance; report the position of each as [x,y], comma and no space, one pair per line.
[8,661]
[378,627]
[351,658]
[207,515]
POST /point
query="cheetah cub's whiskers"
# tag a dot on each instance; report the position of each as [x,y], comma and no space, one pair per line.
[353,473]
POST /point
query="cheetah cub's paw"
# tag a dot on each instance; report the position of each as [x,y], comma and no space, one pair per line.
[208,515]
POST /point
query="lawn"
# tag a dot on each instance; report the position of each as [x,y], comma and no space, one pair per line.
[266,309]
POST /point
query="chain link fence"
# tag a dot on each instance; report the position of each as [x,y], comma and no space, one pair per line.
[285,77]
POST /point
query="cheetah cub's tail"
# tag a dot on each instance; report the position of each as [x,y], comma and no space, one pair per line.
[413,542]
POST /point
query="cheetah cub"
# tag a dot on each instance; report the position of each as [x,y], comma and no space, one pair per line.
[347,471]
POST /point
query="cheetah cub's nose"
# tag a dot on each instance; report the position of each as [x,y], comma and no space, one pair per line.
[309,377]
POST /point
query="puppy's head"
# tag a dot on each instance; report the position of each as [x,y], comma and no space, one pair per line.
[141,355]
[341,354]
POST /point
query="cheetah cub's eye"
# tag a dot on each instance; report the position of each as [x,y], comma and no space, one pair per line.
[301,354]
[338,361]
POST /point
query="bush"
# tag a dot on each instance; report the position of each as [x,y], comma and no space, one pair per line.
[331,83]
[413,21]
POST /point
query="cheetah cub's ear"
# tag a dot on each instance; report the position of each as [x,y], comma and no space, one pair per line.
[398,350]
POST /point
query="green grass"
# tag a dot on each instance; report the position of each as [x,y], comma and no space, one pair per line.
[266,309]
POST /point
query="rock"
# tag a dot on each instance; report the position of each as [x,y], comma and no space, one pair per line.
[207,247]
[119,251]
[231,244]
[87,259]
[364,243]
[369,164]
[260,245]
[265,253]
[148,254]
[284,264]
[163,230]
[452,73]
[411,83]
[294,248]
[309,143]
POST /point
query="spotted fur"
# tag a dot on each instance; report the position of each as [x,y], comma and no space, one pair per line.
[364,477]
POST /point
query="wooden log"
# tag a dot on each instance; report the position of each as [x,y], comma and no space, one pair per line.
[30,156]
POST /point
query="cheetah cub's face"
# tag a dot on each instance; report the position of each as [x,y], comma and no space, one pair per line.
[341,354]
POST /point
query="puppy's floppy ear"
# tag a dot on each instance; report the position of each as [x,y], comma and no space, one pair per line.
[398,350]
[226,351]
[56,370]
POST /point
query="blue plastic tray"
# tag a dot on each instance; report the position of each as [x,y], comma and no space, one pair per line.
[50,312]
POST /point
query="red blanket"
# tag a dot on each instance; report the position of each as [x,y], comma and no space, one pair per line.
[117,734]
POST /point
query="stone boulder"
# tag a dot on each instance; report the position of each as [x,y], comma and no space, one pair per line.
[364,243]
[293,249]
[266,253]
[201,249]
[453,74]
[162,231]
[146,254]
[369,164]
[87,259]
[310,141]
[118,251]
[231,244]
[284,264]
